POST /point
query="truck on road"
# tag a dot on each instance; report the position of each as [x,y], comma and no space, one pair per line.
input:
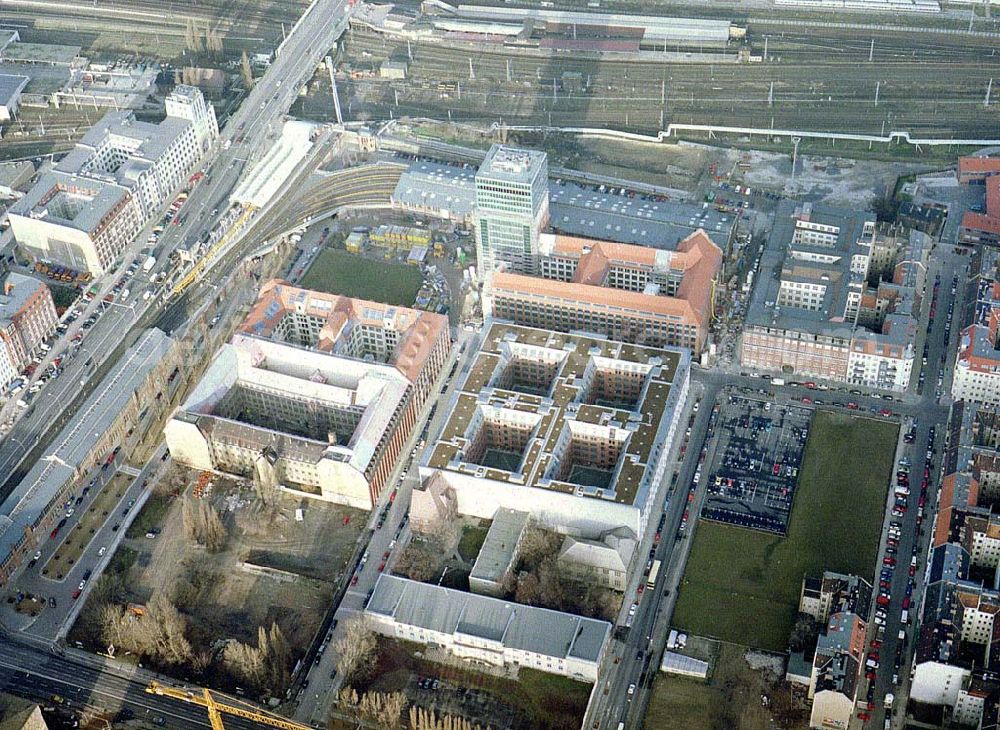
[148,264]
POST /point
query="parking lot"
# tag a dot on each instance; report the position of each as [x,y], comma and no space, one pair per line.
[753,465]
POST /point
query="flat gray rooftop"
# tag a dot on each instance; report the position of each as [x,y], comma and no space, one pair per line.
[11,86]
[497,552]
[40,53]
[511,164]
[448,611]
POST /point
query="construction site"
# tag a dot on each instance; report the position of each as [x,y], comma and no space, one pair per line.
[220,581]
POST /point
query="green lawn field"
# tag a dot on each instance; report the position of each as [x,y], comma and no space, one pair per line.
[743,586]
[339,272]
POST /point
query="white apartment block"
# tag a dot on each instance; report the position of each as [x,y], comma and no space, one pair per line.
[92,205]
[877,366]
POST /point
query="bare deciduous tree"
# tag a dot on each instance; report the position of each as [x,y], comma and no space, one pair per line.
[203,524]
[263,667]
[159,633]
[420,718]
[422,559]
[246,72]
[356,649]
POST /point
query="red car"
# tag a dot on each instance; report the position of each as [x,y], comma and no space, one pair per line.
[347,518]
[870,675]
[381,566]
[807,401]
[354,580]
[853,406]
[882,600]
[913,570]
[888,560]
[876,644]
[906,603]
[392,497]
[864,716]
[885,412]
[76,594]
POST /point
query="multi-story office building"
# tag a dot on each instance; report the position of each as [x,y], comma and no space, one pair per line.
[629,293]
[837,298]
[512,207]
[574,429]
[27,317]
[836,670]
[602,561]
[315,394]
[94,202]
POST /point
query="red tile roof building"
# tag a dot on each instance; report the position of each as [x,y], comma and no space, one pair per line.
[984,227]
[626,292]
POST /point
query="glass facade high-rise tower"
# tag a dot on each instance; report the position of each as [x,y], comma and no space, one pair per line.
[512,206]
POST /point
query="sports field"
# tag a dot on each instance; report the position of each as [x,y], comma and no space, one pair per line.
[743,586]
[339,272]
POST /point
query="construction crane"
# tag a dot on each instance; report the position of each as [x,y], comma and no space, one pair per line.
[215,709]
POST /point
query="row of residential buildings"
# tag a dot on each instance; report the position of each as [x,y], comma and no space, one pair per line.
[837,297]
[977,366]
[956,662]
[840,604]
[94,202]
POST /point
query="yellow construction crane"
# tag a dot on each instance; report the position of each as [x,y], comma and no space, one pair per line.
[215,709]
[196,270]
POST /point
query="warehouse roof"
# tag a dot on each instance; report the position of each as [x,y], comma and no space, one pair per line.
[653,27]
[575,210]
[579,210]
[527,628]
[439,186]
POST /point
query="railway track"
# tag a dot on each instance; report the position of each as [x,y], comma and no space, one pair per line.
[938,89]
